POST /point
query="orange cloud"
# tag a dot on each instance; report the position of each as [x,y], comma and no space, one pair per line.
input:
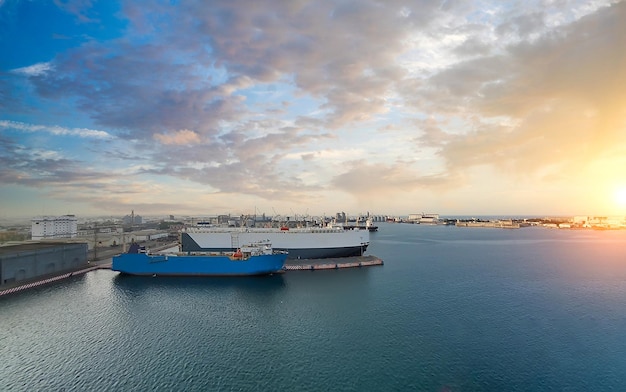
[184,136]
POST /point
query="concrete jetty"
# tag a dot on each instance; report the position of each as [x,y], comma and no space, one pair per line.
[25,286]
[332,263]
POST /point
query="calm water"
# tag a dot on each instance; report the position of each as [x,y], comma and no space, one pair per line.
[452,309]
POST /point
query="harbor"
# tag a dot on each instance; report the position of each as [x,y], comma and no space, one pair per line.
[483,299]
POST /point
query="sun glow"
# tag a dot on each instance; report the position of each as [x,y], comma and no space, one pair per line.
[620,197]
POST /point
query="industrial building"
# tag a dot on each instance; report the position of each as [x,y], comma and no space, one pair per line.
[52,227]
[132,219]
[424,219]
[104,239]
[32,260]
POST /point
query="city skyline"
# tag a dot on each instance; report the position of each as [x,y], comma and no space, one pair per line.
[310,108]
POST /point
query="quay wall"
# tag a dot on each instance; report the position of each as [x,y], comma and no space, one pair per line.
[27,262]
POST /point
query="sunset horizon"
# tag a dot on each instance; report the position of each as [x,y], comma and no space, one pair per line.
[312,108]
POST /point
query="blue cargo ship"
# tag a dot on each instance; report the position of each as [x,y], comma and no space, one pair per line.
[256,259]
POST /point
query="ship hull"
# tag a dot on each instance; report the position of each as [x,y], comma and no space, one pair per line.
[303,244]
[170,265]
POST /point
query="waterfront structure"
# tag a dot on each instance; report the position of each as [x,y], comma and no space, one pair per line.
[53,227]
[32,260]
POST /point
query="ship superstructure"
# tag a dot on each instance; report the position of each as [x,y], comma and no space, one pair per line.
[300,243]
[254,259]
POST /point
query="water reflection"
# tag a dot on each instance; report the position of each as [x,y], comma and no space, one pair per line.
[138,285]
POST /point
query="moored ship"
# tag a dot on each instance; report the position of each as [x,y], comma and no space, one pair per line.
[255,259]
[300,243]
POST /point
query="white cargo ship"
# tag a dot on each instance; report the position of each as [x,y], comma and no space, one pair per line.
[301,243]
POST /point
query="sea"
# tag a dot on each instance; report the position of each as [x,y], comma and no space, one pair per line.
[451,309]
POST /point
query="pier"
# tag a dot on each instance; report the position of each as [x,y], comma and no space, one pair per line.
[332,263]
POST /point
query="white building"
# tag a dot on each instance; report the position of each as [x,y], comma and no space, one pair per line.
[425,219]
[581,221]
[50,227]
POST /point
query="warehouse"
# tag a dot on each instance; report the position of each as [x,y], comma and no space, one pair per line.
[32,260]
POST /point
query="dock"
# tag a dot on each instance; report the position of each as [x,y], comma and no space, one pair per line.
[332,263]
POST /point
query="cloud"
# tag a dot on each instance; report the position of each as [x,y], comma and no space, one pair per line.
[34,70]
[342,54]
[72,181]
[225,94]
[38,167]
[381,177]
[142,92]
[78,8]
[55,130]
[183,136]
[522,26]
[240,162]
[543,103]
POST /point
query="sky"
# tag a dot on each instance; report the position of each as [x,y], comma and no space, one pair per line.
[312,107]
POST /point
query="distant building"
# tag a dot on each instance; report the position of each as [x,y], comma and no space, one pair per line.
[607,222]
[340,216]
[221,219]
[424,219]
[132,219]
[581,221]
[51,227]
[414,217]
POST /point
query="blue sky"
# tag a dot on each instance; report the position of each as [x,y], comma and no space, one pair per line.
[391,107]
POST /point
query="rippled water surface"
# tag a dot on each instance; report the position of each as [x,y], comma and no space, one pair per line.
[452,309]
